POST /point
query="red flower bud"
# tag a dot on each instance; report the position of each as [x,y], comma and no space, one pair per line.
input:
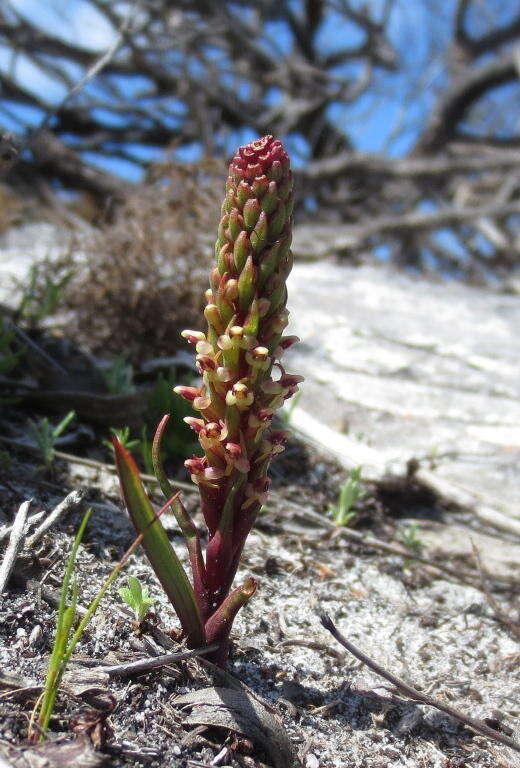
[188,393]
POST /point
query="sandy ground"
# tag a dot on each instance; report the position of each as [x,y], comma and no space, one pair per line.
[437,634]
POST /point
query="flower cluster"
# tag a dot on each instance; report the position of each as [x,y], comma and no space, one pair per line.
[239,357]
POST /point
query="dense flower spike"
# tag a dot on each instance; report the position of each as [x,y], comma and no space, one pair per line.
[246,317]
[243,380]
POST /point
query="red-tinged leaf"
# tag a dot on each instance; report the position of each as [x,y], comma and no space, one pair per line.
[159,551]
[188,528]
[219,625]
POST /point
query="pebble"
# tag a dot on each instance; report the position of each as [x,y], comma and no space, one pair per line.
[35,636]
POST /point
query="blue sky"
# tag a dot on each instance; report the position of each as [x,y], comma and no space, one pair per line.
[388,118]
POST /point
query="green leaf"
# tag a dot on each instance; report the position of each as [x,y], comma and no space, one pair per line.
[136,596]
[159,551]
[350,494]
[135,588]
[119,377]
[62,426]
[127,596]
[9,362]
[145,595]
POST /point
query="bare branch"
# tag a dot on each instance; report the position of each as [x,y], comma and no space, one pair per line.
[15,544]
[407,167]
[471,87]
[347,237]
[476,725]
[476,46]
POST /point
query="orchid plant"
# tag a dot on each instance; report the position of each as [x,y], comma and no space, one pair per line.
[243,385]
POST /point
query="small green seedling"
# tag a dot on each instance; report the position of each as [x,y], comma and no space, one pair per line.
[66,618]
[119,377]
[45,435]
[6,461]
[136,596]
[410,539]
[143,445]
[10,355]
[42,295]
[350,493]
[123,435]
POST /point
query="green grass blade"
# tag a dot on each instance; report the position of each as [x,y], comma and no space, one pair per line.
[64,623]
[62,426]
[71,561]
[159,551]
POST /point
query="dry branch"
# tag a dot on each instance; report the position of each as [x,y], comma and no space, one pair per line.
[476,725]
[408,167]
[347,237]
[146,665]
[453,107]
[69,502]
[15,544]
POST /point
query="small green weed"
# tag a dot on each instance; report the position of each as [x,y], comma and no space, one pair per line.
[145,448]
[6,461]
[42,296]
[350,493]
[124,437]
[66,639]
[63,644]
[136,596]
[11,353]
[45,435]
[143,445]
[410,539]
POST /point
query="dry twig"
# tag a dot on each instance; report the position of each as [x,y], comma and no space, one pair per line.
[15,545]
[32,520]
[466,577]
[477,725]
[500,615]
[71,500]
[145,665]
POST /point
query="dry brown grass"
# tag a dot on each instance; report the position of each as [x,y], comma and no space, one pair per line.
[141,278]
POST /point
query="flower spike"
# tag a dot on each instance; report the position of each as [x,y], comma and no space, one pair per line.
[246,316]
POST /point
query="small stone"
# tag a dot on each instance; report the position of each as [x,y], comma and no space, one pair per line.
[36,634]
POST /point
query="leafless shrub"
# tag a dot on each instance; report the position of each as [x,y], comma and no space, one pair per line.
[141,278]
